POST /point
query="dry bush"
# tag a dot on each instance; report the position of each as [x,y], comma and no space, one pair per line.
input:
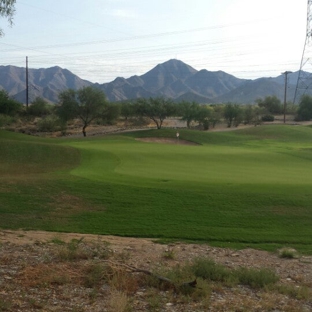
[43,275]
[118,301]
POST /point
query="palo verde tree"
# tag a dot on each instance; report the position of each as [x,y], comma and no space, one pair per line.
[203,117]
[156,109]
[189,111]
[87,104]
[7,10]
[232,114]
[272,104]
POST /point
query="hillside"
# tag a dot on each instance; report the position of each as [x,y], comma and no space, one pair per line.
[172,79]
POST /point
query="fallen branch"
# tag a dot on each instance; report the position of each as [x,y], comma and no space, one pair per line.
[160,278]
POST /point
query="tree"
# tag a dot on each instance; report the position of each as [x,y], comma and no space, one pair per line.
[232,114]
[305,108]
[216,114]
[39,108]
[157,109]
[188,111]
[127,109]
[272,104]
[9,106]
[7,10]
[204,116]
[87,104]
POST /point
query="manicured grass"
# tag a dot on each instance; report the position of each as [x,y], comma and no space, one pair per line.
[241,188]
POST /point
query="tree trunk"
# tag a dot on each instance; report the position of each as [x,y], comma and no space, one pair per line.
[84,131]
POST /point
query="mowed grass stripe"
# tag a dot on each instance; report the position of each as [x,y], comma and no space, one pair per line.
[198,164]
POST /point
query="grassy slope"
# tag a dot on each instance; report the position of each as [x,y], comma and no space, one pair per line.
[248,187]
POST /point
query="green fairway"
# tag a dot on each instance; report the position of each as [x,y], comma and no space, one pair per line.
[240,188]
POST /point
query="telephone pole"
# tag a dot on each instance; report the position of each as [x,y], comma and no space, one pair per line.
[304,82]
[27,82]
[285,92]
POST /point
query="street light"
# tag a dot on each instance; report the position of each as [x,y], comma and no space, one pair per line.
[285,92]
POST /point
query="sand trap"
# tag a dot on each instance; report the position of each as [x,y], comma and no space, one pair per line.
[167,141]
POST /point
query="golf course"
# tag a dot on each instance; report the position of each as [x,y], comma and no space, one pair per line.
[245,188]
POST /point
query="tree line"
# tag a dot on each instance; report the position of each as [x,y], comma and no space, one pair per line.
[90,105]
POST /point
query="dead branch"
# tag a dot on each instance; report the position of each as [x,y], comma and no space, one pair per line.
[160,278]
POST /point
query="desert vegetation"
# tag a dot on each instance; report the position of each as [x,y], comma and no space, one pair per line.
[248,188]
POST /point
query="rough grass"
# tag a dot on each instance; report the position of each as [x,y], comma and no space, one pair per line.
[243,188]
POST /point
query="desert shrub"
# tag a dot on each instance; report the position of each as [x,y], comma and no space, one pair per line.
[73,251]
[256,278]
[50,124]
[293,292]
[39,108]
[6,120]
[268,118]
[208,269]
[288,253]
[94,274]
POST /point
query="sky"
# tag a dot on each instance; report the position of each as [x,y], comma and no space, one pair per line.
[100,40]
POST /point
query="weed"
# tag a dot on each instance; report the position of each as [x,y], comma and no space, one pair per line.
[101,249]
[123,281]
[153,300]
[209,270]
[123,256]
[256,278]
[94,275]
[5,305]
[36,304]
[293,292]
[73,251]
[288,253]
[118,301]
[168,254]
[57,241]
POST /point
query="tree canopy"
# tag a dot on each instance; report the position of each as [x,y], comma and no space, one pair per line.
[272,104]
[7,10]
[305,108]
[87,104]
[9,106]
[157,109]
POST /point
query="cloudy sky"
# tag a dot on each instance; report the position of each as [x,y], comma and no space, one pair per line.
[99,40]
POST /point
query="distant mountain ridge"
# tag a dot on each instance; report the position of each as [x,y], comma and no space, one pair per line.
[172,79]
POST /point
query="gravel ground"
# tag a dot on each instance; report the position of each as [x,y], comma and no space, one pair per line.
[39,271]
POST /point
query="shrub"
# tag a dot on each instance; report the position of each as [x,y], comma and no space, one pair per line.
[49,124]
[294,292]
[39,108]
[208,269]
[256,278]
[288,253]
[268,118]
[6,120]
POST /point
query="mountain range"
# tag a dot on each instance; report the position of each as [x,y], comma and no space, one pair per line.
[172,79]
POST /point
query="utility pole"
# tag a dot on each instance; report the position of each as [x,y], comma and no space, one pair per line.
[304,82]
[26,81]
[285,92]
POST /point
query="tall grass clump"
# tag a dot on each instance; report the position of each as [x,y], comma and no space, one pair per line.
[209,270]
[255,278]
[288,253]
